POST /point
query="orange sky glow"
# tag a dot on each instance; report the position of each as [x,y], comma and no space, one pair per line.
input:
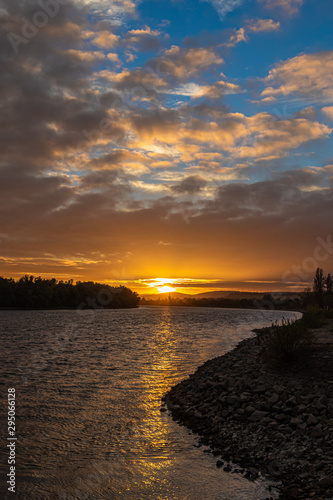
[164,156]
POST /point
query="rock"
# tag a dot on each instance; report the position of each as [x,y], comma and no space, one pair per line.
[296,421]
[219,464]
[244,396]
[279,388]
[326,482]
[252,474]
[227,468]
[260,389]
[311,420]
[304,475]
[281,417]
[231,400]
[300,409]
[294,493]
[275,469]
[258,415]
[273,399]
[317,431]
[174,407]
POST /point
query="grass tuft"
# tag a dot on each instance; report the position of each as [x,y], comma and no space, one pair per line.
[285,343]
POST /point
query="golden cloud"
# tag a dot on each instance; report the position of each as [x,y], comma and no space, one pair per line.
[87,56]
[308,75]
[328,110]
[291,6]
[144,31]
[131,79]
[260,136]
[184,63]
[105,40]
[263,25]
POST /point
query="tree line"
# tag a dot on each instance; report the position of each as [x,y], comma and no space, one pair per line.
[319,296]
[268,301]
[30,292]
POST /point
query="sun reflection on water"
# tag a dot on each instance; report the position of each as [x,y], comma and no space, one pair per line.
[91,410]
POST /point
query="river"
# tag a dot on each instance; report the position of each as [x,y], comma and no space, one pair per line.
[88,390]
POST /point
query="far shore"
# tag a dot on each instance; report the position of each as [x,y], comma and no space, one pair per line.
[272,422]
[146,305]
[66,308]
[246,307]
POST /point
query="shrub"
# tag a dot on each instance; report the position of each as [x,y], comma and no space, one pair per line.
[284,343]
[313,318]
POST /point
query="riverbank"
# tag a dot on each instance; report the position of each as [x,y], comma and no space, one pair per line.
[277,422]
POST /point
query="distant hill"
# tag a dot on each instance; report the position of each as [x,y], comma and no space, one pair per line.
[173,295]
[229,295]
[217,294]
[225,294]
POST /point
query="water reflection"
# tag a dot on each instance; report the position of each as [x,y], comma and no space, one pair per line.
[88,404]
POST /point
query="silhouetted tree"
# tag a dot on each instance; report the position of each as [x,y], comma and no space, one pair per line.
[329,284]
[328,300]
[318,286]
[38,293]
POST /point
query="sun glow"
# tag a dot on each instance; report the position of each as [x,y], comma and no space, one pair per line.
[163,285]
[165,289]
[189,286]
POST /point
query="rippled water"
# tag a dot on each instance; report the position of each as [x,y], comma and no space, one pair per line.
[89,386]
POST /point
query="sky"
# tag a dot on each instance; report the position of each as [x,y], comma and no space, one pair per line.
[167,144]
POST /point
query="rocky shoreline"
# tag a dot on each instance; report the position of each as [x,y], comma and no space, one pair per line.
[276,422]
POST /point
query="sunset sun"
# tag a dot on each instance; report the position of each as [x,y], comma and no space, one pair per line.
[165,289]
[163,285]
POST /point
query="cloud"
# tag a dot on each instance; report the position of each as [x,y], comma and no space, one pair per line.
[181,64]
[144,39]
[307,75]
[328,110]
[84,153]
[236,37]
[144,31]
[220,88]
[291,6]
[88,56]
[269,138]
[52,112]
[191,89]
[190,185]
[231,37]
[215,91]
[114,58]
[105,40]
[134,85]
[114,12]
[223,7]
[237,218]
[263,25]
[130,57]
[258,137]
